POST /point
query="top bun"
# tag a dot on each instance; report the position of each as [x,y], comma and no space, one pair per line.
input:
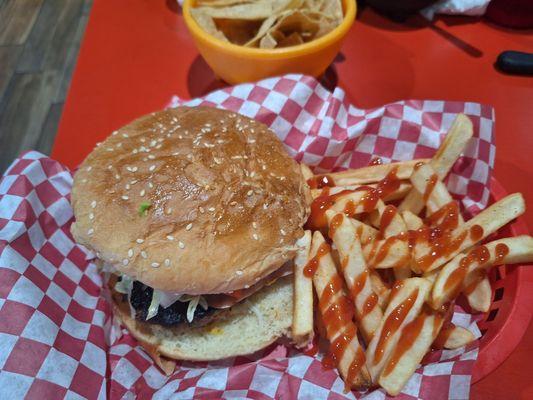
[223,202]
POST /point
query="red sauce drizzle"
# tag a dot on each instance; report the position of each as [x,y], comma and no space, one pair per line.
[370,302]
[440,237]
[354,369]
[392,324]
[318,221]
[312,265]
[454,282]
[385,187]
[501,252]
[386,218]
[375,161]
[433,179]
[476,233]
[320,181]
[336,221]
[409,335]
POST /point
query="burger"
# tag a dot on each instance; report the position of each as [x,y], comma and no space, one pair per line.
[194,213]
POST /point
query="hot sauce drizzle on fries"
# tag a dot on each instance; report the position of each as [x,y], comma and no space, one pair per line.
[431,259]
[386,217]
[393,322]
[321,181]
[430,186]
[312,265]
[478,255]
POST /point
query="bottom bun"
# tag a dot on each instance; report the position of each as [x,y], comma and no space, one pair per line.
[247,327]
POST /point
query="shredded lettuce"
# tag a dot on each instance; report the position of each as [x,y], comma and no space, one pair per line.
[154,305]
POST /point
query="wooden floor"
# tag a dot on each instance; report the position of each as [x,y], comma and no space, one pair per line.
[39,44]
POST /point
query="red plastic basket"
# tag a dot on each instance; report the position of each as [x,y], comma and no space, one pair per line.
[509,316]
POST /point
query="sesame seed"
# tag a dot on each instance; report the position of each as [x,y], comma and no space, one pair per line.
[91,216]
[255,236]
[128,169]
[167,262]
[93,204]
[110,149]
[125,261]
[238,272]
[188,227]
[254,225]
[170,237]
[158,146]
[128,186]
[150,185]
[130,253]
[142,192]
[89,169]
[125,197]
[151,156]
[135,151]
[233,203]
[181,245]
[125,135]
[117,177]
[133,182]
[201,210]
[143,254]
[134,169]
[90,231]
[252,174]
[168,210]
[152,167]
[264,167]
[114,133]
[265,206]
[249,193]
[153,143]
[143,140]
[140,241]
[155,265]
[211,209]
[119,145]
[282,232]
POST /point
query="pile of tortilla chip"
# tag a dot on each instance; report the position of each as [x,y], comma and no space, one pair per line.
[268,24]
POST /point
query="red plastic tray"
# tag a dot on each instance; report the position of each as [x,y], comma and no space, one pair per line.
[505,323]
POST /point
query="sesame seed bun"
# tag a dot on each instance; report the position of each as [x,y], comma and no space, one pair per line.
[191,200]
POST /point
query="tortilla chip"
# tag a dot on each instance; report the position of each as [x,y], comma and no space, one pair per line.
[263,30]
[292,40]
[333,9]
[237,31]
[260,9]
[207,24]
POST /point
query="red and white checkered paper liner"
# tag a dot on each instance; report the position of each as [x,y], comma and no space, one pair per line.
[57,338]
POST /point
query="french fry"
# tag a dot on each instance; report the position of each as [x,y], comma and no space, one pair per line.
[400,193]
[415,341]
[382,290]
[302,322]
[356,274]
[405,304]
[392,224]
[306,171]
[453,337]
[426,182]
[334,305]
[392,252]
[412,221]
[365,233]
[371,174]
[461,271]
[468,234]
[456,140]
[479,297]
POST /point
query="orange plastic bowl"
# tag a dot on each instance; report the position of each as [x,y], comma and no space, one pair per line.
[238,64]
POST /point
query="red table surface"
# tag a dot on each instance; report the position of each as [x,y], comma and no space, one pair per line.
[137,54]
